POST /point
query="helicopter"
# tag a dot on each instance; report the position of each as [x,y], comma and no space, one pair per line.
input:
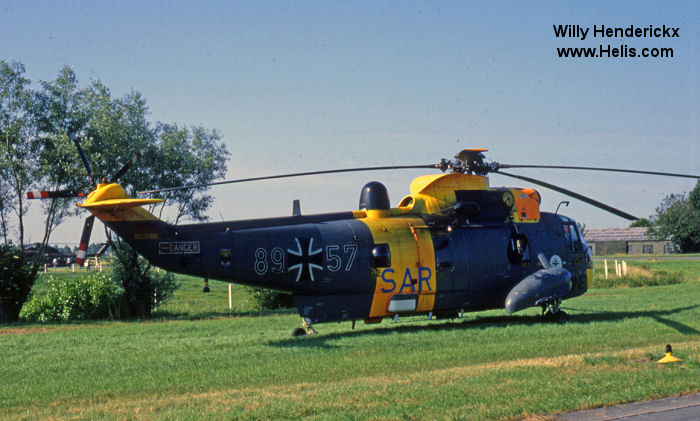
[453,245]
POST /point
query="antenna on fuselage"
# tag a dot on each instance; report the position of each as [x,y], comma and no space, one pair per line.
[563,202]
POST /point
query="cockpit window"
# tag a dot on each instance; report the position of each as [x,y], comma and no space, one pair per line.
[572,237]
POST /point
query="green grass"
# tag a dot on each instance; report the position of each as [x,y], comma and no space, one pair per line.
[199,361]
[644,255]
[650,272]
[690,268]
[190,302]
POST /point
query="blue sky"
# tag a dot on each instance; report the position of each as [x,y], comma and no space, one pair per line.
[296,86]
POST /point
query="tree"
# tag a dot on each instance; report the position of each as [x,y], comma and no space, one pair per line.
[6,198]
[143,288]
[643,222]
[177,157]
[678,218]
[17,148]
[171,156]
[188,157]
[18,160]
[37,152]
[59,109]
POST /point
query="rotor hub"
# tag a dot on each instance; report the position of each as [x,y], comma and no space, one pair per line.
[469,161]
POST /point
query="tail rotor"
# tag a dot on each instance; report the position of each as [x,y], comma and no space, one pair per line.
[85,240]
[74,136]
[89,221]
[125,167]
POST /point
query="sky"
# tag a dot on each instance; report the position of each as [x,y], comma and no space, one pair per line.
[309,85]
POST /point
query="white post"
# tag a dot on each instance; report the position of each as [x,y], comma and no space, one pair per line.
[230,297]
[72,267]
[624,268]
[44,267]
[605,262]
[617,268]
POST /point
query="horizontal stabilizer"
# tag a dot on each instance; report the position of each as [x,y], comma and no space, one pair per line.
[112,197]
[117,204]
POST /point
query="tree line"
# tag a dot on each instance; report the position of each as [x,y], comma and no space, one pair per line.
[677,218]
[37,153]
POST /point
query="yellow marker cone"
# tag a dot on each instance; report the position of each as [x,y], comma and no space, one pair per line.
[669,358]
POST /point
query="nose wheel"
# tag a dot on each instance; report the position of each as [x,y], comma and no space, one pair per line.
[552,312]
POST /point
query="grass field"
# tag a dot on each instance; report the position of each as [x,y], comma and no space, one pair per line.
[199,360]
[689,267]
[648,272]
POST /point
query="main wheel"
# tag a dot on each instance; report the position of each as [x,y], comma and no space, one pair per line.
[299,331]
[562,317]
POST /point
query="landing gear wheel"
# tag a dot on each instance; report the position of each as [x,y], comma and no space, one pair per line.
[299,331]
[552,312]
[306,330]
[562,317]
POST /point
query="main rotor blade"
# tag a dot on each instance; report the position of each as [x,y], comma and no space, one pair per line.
[563,167]
[298,174]
[83,157]
[574,195]
[125,167]
[85,240]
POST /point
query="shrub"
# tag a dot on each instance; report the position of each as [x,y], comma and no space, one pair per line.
[16,281]
[268,299]
[94,296]
[144,289]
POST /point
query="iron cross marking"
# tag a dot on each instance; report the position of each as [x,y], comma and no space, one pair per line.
[305,259]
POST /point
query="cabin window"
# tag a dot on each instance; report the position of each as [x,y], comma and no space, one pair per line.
[517,248]
[648,249]
[381,256]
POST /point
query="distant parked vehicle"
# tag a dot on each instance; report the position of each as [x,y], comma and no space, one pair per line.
[52,256]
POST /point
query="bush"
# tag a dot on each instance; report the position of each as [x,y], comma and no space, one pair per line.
[16,281]
[95,296]
[268,299]
[144,289]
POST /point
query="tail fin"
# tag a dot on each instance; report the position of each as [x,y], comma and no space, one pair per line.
[124,215]
[112,197]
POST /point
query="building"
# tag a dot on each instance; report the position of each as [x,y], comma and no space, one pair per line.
[625,241]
